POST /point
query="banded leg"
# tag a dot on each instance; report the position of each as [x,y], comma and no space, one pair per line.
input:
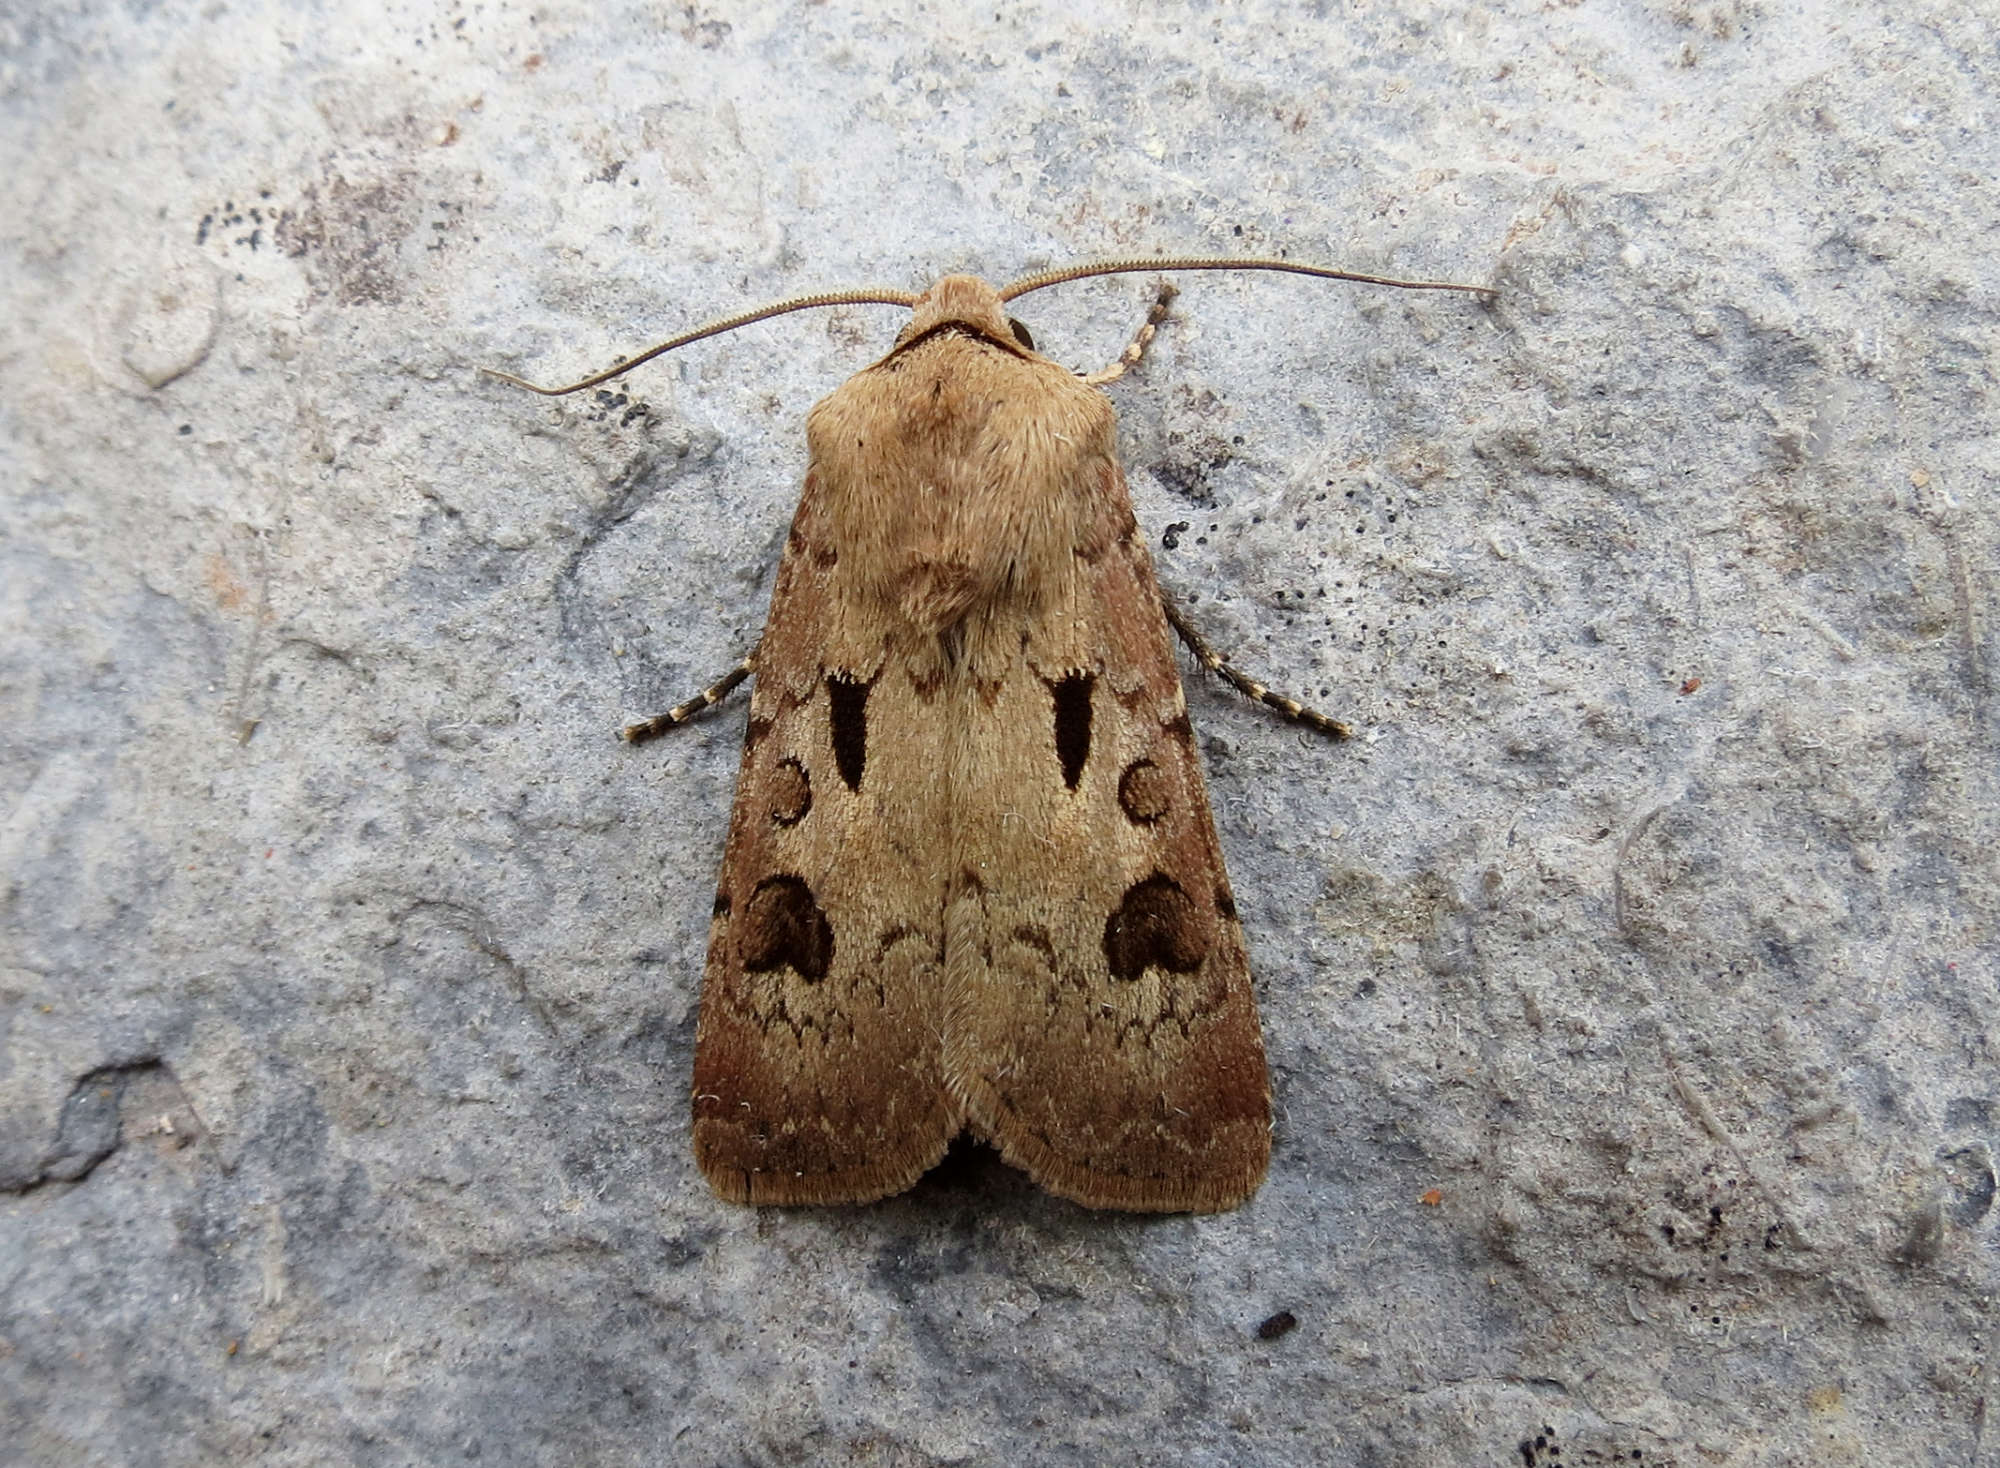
[674,717]
[1141,339]
[1249,687]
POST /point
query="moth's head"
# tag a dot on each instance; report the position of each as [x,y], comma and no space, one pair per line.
[965,301]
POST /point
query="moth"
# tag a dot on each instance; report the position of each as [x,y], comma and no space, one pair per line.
[971,881]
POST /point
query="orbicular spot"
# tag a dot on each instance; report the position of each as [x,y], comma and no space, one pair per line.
[1154,926]
[1072,700]
[754,732]
[791,792]
[1143,792]
[847,713]
[783,927]
[1179,728]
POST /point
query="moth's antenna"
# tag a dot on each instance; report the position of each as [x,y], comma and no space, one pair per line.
[1205,262]
[715,328]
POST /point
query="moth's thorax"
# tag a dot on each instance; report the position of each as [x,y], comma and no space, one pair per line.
[960,474]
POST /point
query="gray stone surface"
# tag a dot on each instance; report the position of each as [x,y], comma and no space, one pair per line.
[1629,984]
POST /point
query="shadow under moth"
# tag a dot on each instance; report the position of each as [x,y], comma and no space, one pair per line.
[971,880]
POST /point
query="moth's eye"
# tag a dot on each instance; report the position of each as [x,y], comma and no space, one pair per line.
[1021,334]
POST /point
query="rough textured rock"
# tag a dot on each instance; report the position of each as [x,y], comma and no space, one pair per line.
[1629,984]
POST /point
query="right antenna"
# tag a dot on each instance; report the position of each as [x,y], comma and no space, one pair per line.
[1216,262]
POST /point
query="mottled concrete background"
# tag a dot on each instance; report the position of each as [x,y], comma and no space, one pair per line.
[1629,983]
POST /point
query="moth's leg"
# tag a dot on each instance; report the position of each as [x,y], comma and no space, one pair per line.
[1249,687]
[673,718]
[1141,339]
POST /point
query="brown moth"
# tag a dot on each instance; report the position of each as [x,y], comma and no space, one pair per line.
[971,880]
